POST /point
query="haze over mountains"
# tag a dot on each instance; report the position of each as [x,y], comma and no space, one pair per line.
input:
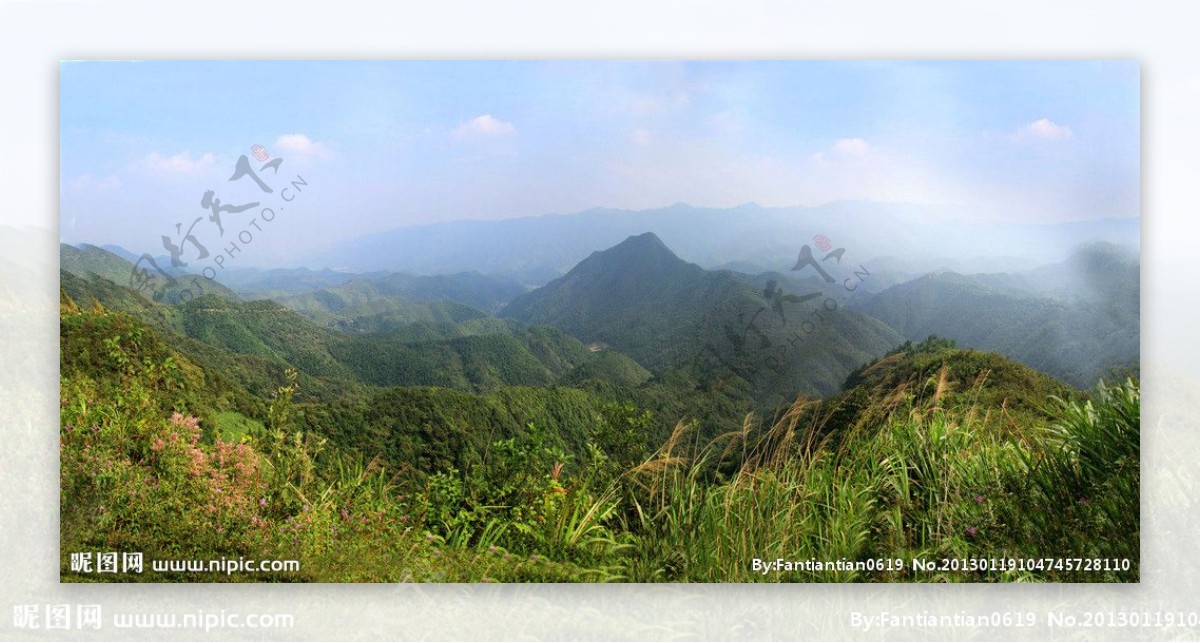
[1078,320]
[914,238]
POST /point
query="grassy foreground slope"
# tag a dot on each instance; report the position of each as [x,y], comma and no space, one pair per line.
[981,473]
[147,465]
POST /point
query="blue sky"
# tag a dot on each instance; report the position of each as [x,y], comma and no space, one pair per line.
[388,144]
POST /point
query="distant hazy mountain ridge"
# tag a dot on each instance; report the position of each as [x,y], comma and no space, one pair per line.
[1078,320]
[536,249]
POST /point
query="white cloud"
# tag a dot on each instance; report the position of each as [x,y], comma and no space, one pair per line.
[1044,129]
[640,137]
[844,149]
[299,145]
[87,182]
[485,126]
[851,147]
[181,163]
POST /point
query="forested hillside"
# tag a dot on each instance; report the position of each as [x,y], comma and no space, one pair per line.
[620,423]
[1078,321]
[642,300]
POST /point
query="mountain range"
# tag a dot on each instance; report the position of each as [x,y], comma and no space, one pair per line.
[635,312]
[748,238]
